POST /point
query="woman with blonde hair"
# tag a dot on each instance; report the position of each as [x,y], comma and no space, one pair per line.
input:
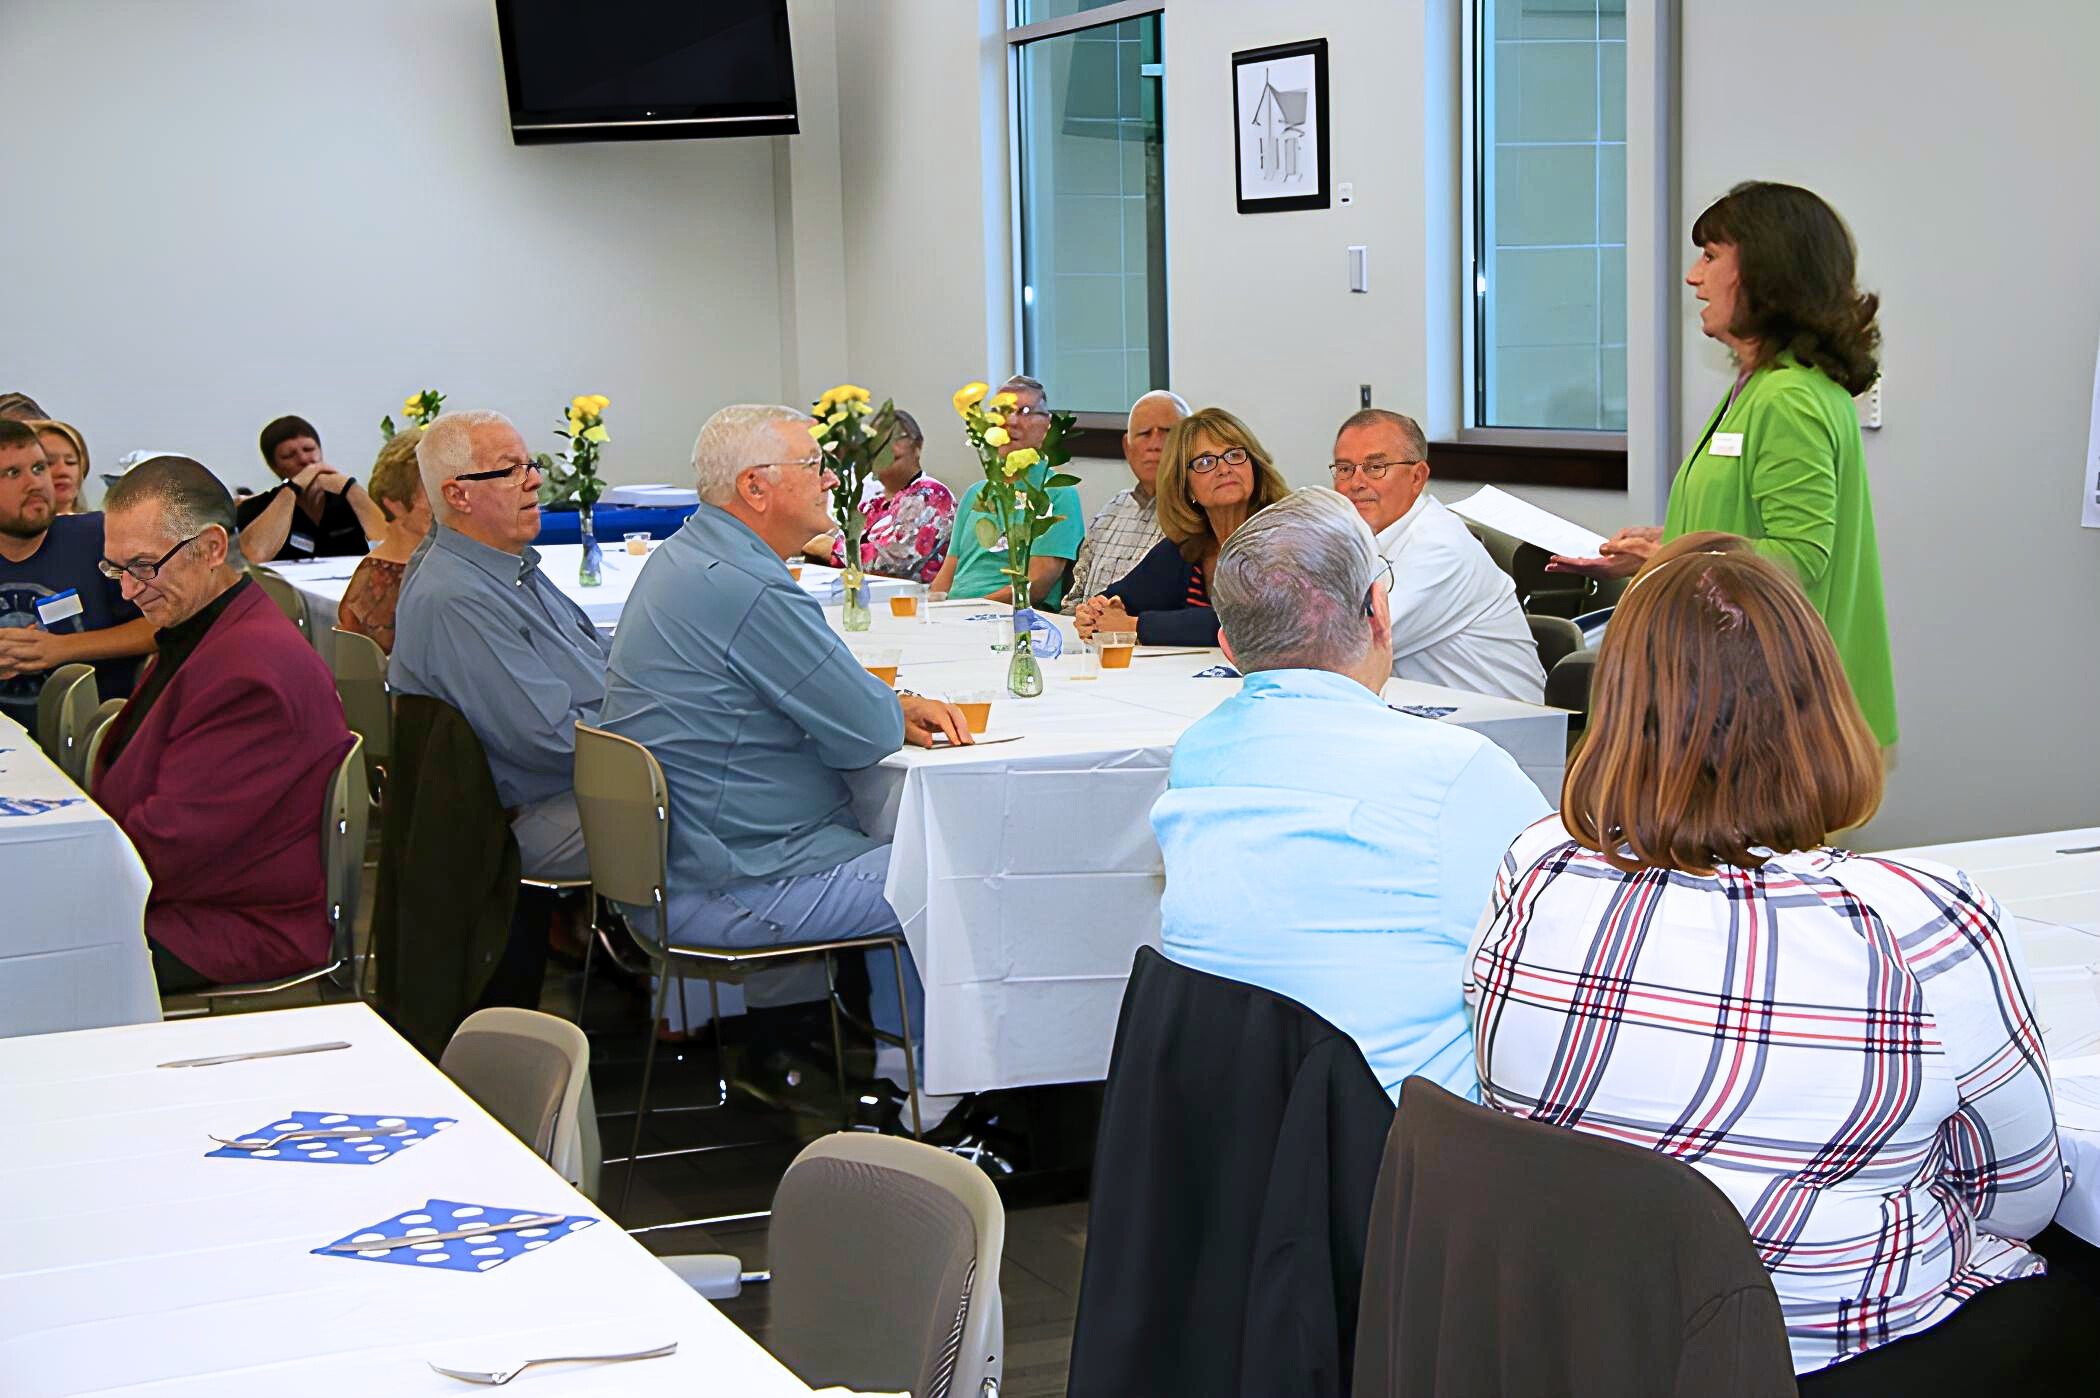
[1213,474]
[1844,1044]
[375,588]
[66,454]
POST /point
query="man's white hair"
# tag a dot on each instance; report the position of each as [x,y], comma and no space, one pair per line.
[1291,582]
[737,438]
[446,449]
[1181,406]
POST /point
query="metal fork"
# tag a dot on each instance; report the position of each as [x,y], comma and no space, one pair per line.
[310,1133]
[503,1376]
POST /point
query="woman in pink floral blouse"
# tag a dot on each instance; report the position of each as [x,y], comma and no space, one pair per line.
[908,524]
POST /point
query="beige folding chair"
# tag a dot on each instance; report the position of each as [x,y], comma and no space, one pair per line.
[98,725]
[360,679]
[344,815]
[532,1072]
[76,710]
[885,1269]
[1556,637]
[290,600]
[625,806]
[49,700]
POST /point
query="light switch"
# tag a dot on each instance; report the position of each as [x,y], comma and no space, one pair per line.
[1345,194]
[1359,267]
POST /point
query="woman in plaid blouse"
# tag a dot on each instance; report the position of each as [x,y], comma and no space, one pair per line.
[1845,1045]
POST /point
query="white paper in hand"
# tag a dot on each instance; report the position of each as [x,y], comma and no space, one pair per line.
[1498,509]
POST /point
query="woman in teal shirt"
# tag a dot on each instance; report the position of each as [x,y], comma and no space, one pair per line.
[1781,461]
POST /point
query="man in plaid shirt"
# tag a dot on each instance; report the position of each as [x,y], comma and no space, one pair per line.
[1128,526]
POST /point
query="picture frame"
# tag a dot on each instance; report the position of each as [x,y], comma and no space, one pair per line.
[1279,127]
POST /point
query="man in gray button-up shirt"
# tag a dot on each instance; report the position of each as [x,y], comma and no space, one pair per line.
[725,669]
[482,628]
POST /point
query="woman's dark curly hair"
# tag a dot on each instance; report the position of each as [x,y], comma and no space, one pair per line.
[1795,258]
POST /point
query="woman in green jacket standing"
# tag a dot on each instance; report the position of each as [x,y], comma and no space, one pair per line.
[1781,461]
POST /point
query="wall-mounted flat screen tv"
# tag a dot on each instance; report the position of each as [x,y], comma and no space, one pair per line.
[646,70]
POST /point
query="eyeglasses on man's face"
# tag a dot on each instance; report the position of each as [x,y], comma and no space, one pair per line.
[1232,456]
[497,473]
[1026,410]
[813,463]
[142,572]
[1373,470]
[1383,575]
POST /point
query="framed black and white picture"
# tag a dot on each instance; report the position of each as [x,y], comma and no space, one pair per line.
[1279,111]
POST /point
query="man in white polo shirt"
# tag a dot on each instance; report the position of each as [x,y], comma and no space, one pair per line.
[1456,621]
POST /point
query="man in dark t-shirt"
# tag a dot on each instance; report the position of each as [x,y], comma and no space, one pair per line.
[318,512]
[55,605]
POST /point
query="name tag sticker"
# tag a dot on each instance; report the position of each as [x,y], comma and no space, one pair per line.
[306,542]
[1726,444]
[59,606]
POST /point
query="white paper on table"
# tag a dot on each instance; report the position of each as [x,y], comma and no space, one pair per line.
[1498,509]
[2090,515]
[2077,1083]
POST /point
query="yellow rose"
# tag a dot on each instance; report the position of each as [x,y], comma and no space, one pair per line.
[575,421]
[580,403]
[597,434]
[853,392]
[837,417]
[969,396]
[1005,400]
[1019,461]
[818,431]
[413,403]
[996,419]
[996,437]
[599,402]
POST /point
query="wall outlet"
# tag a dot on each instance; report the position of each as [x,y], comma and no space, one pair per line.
[1869,405]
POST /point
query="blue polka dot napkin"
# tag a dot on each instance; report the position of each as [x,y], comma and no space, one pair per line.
[390,1135]
[477,1254]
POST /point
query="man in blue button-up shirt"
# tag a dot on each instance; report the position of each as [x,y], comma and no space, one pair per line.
[1317,843]
[725,669]
[482,628]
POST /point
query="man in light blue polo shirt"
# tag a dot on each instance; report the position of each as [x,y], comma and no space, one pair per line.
[724,668]
[1317,843]
[972,570]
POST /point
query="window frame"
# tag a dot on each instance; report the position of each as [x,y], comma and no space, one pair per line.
[1095,433]
[1593,458]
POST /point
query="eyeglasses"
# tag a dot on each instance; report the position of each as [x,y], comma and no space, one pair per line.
[1372,470]
[143,572]
[498,474]
[1232,456]
[1384,575]
[1023,410]
[814,463]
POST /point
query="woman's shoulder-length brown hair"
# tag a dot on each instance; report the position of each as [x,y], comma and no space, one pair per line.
[1180,517]
[1721,723]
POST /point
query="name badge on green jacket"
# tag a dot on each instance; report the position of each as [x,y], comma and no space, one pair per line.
[1726,444]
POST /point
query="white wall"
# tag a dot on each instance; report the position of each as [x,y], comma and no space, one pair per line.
[1960,146]
[225,210]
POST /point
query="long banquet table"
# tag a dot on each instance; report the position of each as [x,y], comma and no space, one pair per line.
[72,904]
[1025,871]
[136,1262]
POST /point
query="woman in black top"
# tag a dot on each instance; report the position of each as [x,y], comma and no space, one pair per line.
[1213,474]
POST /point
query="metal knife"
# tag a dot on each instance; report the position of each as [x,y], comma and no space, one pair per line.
[260,1053]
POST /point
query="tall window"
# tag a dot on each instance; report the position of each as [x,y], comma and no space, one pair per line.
[1090,161]
[1549,215]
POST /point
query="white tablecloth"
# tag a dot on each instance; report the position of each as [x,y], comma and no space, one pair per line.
[1025,872]
[2054,898]
[323,581]
[132,1260]
[72,907]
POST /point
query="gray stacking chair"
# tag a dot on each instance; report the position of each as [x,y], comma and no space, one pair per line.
[532,1072]
[1556,637]
[885,1258]
[625,807]
[360,681]
[97,726]
[290,600]
[76,704]
[49,701]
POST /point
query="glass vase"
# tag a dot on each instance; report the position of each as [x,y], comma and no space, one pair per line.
[854,616]
[1024,673]
[592,571]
